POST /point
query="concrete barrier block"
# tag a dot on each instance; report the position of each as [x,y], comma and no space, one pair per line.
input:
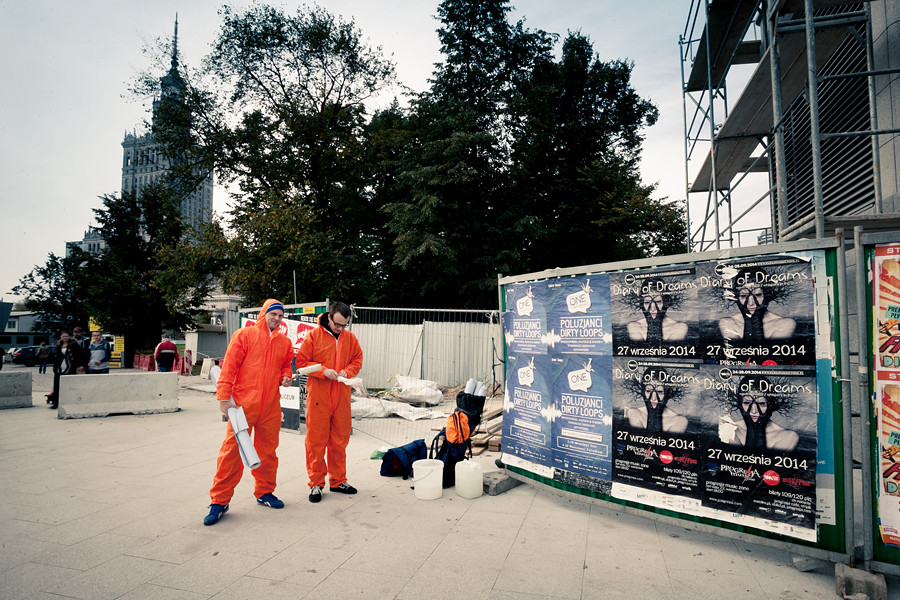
[128,392]
[856,583]
[497,482]
[15,389]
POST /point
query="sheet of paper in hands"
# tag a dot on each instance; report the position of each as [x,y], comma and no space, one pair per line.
[357,384]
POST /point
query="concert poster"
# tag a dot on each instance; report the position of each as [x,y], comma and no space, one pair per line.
[761,447]
[527,408]
[758,311]
[525,318]
[886,359]
[657,425]
[655,313]
[582,414]
[578,317]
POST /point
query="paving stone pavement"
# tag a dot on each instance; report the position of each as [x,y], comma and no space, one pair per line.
[112,508]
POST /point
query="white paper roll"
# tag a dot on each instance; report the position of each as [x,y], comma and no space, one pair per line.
[239,426]
[309,369]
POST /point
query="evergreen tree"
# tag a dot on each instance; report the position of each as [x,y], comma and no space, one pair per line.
[57,291]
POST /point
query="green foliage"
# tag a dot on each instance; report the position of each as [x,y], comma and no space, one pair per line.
[513,161]
[279,111]
[56,291]
[142,281]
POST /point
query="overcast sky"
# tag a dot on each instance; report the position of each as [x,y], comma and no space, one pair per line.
[66,66]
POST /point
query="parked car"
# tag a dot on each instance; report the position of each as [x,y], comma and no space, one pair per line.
[25,356]
[9,354]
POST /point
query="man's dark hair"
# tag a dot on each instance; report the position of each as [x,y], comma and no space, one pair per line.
[340,307]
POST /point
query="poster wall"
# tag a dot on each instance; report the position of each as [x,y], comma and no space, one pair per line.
[886,336]
[692,388]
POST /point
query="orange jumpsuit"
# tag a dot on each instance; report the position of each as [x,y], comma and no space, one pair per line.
[328,402]
[254,364]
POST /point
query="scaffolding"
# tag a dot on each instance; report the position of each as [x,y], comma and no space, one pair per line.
[798,149]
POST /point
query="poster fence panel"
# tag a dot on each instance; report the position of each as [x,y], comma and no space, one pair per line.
[702,386]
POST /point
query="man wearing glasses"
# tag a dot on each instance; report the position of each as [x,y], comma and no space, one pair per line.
[328,400]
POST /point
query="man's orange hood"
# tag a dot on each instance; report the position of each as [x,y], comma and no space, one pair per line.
[261,319]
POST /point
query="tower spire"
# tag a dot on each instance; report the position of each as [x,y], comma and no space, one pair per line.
[175,45]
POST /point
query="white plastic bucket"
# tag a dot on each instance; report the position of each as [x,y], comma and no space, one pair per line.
[469,479]
[428,478]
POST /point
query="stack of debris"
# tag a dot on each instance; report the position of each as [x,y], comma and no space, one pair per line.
[489,432]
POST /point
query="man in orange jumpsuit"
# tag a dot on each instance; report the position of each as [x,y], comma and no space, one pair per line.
[328,400]
[257,360]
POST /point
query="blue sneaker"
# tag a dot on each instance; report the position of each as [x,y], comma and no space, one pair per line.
[270,500]
[215,513]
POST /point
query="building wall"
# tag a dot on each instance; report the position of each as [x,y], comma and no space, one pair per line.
[886,47]
[143,164]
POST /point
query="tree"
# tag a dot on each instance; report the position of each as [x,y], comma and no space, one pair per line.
[57,291]
[132,290]
[278,110]
[514,161]
[575,151]
[446,216]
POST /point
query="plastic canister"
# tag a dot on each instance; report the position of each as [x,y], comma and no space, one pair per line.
[469,479]
[428,478]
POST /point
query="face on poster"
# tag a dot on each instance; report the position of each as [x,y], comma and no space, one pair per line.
[525,319]
[761,454]
[886,292]
[655,313]
[761,311]
[578,318]
[656,425]
[582,414]
[527,408]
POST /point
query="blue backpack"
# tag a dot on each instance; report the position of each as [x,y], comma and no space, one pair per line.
[398,461]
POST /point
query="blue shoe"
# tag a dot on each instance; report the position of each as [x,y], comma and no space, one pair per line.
[215,513]
[270,500]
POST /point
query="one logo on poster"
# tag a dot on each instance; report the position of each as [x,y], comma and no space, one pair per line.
[580,301]
[526,374]
[580,380]
[525,305]
[666,457]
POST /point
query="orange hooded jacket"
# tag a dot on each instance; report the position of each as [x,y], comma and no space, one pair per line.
[254,364]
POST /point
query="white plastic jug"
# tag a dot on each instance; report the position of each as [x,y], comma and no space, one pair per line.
[428,478]
[469,479]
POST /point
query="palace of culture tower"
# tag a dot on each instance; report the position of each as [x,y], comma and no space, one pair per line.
[143,162]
